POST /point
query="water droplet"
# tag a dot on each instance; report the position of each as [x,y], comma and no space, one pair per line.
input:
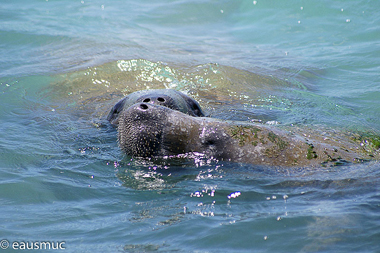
[234,195]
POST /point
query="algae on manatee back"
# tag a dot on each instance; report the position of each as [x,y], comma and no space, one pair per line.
[277,140]
[245,134]
[311,153]
[369,141]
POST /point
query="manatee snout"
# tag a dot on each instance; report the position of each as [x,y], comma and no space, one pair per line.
[140,130]
[160,99]
[143,107]
[147,130]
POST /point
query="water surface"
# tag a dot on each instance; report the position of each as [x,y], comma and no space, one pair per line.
[63,178]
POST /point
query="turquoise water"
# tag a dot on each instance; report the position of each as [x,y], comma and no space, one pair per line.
[63,179]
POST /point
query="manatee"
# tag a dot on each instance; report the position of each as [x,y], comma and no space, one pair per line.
[149,130]
[165,97]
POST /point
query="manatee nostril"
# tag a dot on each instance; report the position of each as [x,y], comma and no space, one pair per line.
[147,100]
[160,99]
[144,106]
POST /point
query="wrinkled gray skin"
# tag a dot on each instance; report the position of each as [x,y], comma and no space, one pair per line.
[165,97]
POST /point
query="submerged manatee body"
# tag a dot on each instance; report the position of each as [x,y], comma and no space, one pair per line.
[148,129]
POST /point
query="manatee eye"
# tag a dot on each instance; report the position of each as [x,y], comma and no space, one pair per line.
[116,109]
[210,142]
[160,99]
[143,106]
[197,110]
[147,100]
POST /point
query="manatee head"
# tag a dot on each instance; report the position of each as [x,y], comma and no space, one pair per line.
[147,130]
[142,128]
[164,97]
